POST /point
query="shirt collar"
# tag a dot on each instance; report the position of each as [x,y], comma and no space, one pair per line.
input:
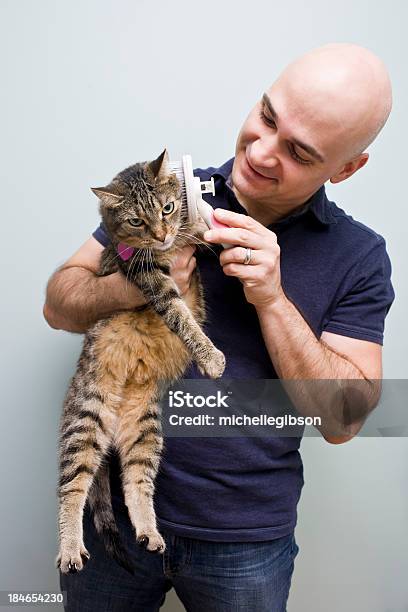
[318,204]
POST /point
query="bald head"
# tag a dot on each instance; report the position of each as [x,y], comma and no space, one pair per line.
[344,89]
[311,126]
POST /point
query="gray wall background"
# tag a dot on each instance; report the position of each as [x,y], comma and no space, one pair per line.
[89,87]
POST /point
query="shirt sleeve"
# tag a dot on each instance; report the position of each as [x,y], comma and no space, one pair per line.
[101,235]
[361,310]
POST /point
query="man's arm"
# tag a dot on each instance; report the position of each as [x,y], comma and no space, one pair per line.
[76,297]
[353,366]
[298,356]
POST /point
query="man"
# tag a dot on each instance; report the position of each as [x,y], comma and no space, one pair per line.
[302,295]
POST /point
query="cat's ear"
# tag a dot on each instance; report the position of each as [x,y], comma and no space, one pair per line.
[109,195]
[160,167]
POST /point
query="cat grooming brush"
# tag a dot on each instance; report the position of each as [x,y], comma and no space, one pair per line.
[193,189]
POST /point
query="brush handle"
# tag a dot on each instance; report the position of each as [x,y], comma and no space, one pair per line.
[207,214]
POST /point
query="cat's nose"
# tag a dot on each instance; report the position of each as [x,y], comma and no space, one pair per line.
[160,236]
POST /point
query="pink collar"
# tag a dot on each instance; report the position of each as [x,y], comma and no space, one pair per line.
[125,251]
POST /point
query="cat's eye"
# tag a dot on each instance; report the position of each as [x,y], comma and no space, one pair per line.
[168,208]
[136,222]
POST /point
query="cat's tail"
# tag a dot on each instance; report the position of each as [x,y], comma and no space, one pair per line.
[100,503]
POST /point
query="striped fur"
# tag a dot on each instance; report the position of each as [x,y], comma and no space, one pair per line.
[126,361]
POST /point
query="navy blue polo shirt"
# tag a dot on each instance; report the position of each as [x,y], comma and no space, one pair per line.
[337,273]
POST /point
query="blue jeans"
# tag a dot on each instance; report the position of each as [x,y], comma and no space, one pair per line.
[207,576]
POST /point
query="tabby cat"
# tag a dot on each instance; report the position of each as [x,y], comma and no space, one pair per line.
[127,360]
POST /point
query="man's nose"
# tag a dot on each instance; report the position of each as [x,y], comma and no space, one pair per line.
[264,152]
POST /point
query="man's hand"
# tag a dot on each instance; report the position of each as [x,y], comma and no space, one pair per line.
[261,277]
[182,268]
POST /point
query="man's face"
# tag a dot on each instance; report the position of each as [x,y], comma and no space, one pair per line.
[288,147]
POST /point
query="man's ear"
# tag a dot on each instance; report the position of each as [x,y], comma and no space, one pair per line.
[350,168]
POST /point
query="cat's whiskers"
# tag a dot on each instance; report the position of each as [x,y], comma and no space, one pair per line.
[183,241]
[129,271]
[140,269]
[184,230]
[150,273]
[195,240]
[143,271]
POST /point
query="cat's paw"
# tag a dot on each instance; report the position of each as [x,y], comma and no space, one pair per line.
[72,559]
[152,541]
[213,365]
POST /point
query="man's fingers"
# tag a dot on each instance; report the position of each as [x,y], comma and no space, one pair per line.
[239,236]
[191,265]
[245,273]
[182,268]
[187,252]
[184,256]
[242,230]
[238,255]
[233,219]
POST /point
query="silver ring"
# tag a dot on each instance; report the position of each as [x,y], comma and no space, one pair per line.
[248,255]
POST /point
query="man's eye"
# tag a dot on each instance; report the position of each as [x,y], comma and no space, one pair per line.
[168,208]
[267,120]
[271,123]
[136,222]
[297,157]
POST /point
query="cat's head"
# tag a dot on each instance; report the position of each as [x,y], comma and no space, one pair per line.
[142,206]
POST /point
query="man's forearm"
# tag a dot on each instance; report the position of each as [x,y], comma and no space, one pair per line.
[308,363]
[77,298]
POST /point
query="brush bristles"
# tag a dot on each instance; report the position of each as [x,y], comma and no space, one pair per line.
[176,168]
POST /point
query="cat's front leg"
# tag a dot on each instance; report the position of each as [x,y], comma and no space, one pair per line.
[163,296]
[178,317]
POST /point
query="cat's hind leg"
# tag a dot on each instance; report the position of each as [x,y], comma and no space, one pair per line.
[86,432]
[139,441]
